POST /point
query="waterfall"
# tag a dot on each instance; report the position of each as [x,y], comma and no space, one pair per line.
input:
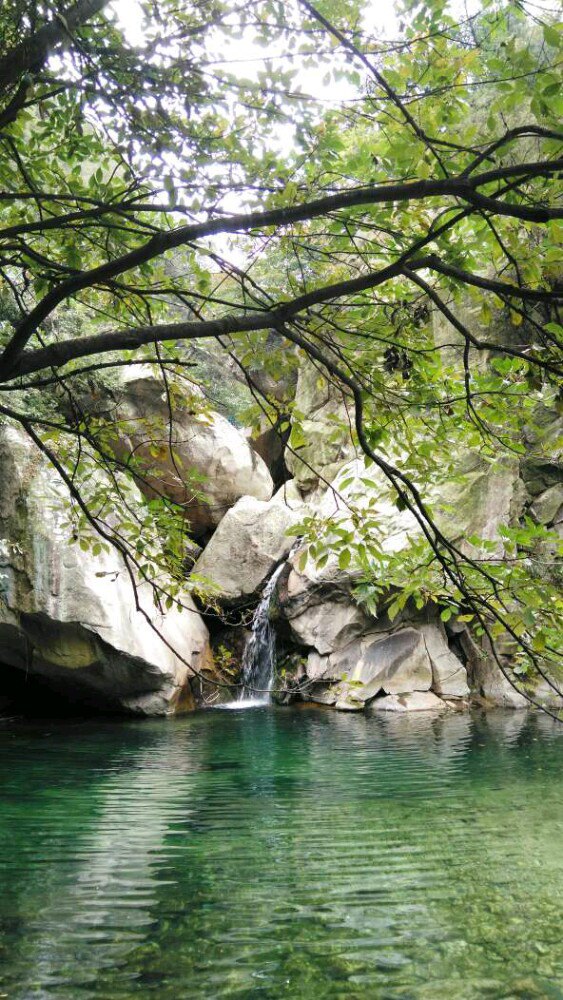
[259,658]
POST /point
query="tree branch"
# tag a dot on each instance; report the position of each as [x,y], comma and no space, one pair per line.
[30,55]
[407,191]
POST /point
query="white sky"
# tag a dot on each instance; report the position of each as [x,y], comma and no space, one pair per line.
[380,19]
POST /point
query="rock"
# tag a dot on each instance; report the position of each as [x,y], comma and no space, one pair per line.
[276,375]
[486,497]
[290,494]
[496,687]
[449,677]
[545,695]
[414,701]
[250,540]
[324,442]
[548,506]
[542,466]
[201,462]
[318,601]
[481,499]
[450,341]
[329,625]
[270,445]
[486,676]
[395,663]
[70,617]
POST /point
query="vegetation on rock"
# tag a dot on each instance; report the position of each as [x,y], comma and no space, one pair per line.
[403,239]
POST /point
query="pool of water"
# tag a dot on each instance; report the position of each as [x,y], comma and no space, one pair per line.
[277,853]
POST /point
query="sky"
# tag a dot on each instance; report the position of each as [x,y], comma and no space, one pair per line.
[380,17]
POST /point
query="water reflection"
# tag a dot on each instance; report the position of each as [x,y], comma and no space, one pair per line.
[282,853]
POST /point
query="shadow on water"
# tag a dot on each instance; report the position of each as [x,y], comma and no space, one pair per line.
[275,853]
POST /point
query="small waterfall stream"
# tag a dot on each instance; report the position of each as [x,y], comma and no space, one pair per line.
[259,659]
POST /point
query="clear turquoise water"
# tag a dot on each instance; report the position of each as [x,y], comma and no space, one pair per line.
[282,853]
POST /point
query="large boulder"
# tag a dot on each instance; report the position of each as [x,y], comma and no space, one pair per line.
[72,618]
[393,664]
[329,625]
[249,542]
[320,441]
[182,450]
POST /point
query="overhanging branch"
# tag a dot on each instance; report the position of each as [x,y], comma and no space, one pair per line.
[461,187]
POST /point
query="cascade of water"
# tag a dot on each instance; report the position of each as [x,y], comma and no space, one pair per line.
[259,658]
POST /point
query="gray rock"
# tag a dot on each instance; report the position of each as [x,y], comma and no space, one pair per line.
[414,701]
[318,602]
[270,445]
[548,507]
[329,625]
[70,616]
[486,676]
[396,663]
[250,540]
[542,466]
[481,499]
[449,677]
[326,419]
[201,461]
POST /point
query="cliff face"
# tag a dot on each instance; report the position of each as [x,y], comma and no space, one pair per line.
[334,651]
[72,618]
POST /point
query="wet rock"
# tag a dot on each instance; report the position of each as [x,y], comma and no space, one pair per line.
[414,701]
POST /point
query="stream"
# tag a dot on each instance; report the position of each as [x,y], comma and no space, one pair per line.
[278,852]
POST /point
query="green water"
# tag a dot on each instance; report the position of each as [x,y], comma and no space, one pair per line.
[282,853]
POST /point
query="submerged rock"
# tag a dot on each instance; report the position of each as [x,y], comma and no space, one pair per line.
[70,617]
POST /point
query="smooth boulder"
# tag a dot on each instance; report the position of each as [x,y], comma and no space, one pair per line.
[395,664]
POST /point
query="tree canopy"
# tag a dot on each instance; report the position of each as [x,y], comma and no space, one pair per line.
[191,180]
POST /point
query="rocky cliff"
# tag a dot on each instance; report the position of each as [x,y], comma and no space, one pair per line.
[86,625]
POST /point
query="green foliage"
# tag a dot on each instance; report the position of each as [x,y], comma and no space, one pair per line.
[404,238]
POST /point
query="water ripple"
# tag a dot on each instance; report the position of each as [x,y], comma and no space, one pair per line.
[272,854]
